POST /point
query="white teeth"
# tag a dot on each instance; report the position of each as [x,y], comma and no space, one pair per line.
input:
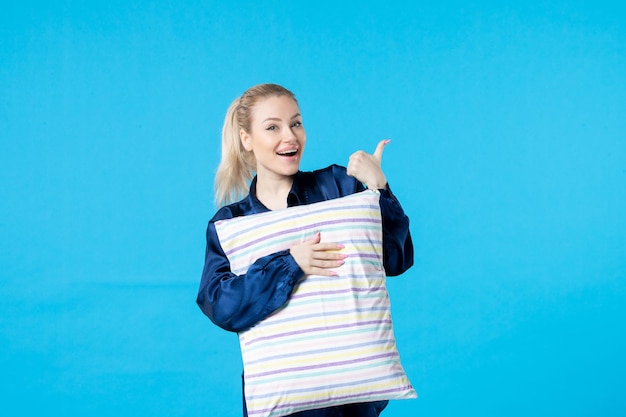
[288,153]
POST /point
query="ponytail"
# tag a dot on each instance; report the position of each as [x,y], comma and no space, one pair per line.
[237,166]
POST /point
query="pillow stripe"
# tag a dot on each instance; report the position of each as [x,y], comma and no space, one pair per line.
[342,291]
[328,386]
[369,394]
[269,221]
[240,257]
[288,237]
[322,366]
[318,351]
[319,218]
[317,378]
[342,388]
[309,338]
[329,314]
[315,330]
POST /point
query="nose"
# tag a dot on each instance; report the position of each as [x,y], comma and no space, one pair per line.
[290,135]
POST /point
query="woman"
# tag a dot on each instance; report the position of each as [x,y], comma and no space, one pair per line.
[263,135]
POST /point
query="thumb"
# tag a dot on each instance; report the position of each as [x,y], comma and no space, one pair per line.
[315,239]
[378,153]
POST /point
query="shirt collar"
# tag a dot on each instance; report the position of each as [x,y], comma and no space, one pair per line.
[297,192]
[294,198]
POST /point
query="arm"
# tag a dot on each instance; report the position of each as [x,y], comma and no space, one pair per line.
[236,302]
[397,242]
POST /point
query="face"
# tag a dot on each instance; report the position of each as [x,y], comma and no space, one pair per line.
[276,137]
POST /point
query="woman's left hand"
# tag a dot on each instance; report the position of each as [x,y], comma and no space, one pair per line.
[366,167]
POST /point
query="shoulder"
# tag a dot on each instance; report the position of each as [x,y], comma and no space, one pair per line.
[327,183]
[333,170]
[240,208]
[332,173]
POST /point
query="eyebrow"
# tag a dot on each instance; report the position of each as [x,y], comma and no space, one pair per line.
[278,119]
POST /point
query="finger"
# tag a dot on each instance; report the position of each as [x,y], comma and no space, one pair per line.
[328,247]
[322,272]
[314,240]
[327,264]
[378,153]
[326,255]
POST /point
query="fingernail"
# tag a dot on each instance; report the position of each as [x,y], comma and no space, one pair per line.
[340,262]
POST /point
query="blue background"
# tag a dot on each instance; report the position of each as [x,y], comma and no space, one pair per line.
[508,128]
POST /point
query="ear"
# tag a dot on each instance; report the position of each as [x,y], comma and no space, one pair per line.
[246,140]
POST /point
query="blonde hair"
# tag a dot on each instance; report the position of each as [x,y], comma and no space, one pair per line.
[237,166]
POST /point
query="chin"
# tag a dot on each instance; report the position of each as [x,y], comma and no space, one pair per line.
[293,172]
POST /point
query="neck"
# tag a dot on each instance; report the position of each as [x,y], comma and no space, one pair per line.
[273,193]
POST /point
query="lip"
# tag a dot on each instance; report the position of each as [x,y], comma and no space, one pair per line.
[288,152]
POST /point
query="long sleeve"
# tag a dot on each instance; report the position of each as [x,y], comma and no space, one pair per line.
[397,242]
[236,302]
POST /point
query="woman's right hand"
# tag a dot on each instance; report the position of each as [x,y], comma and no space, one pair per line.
[316,258]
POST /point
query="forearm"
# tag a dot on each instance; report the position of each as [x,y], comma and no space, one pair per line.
[236,302]
[397,242]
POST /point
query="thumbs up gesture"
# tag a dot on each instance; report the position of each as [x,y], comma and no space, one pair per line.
[367,167]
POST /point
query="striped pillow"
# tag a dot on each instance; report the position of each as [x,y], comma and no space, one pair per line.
[333,342]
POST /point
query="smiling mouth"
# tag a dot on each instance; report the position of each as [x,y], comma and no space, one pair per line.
[290,152]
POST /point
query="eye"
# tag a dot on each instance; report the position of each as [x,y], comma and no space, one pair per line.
[296,124]
[271,127]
